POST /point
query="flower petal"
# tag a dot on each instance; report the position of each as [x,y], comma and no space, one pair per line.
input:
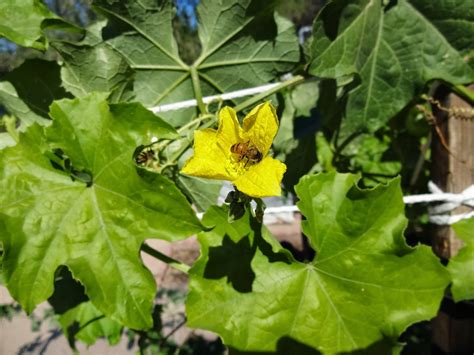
[209,160]
[229,131]
[261,126]
[262,179]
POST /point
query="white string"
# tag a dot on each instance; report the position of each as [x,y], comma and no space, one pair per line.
[208,99]
[437,214]
[444,220]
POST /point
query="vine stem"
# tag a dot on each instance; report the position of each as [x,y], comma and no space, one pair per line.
[197,120]
[173,160]
[90,321]
[174,330]
[344,144]
[421,159]
[165,258]
[164,143]
[463,92]
[254,99]
[197,89]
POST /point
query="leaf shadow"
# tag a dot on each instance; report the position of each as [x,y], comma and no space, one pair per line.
[265,247]
[232,260]
[40,344]
[68,292]
[263,26]
[285,345]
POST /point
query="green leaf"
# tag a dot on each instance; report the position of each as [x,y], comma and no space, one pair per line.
[38,83]
[52,218]
[29,89]
[325,153]
[454,19]
[6,140]
[393,52]
[243,45]
[203,192]
[461,266]
[371,155]
[94,68]
[8,131]
[233,56]
[305,97]
[285,141]
[364,285]
[23,21]
[17,107]
[87,324]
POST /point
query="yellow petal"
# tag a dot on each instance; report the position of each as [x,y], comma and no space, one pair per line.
[262,179]
[261,126]
[209,160]
[229,131]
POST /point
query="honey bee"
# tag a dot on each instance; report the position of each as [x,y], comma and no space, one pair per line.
[145,157]
[247,151]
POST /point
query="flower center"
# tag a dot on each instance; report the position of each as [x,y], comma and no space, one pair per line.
[244,155]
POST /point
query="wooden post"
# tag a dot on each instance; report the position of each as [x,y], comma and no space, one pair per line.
[453,328]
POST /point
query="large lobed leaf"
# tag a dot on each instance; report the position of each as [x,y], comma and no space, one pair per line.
[243,45]
[461,266]
[392,51]
[97,230]
[364,285]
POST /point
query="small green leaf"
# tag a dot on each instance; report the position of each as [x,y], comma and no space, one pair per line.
[324,152]
[8,133]
[6,140]
[461,266]
[370,154]
[86,323]
[23,21]
[392,51]
[365,284]
[14,105]
[305,97]
[38,83]
[96,229]
[203,192]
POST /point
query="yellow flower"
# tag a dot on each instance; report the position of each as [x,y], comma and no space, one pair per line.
[213,158]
